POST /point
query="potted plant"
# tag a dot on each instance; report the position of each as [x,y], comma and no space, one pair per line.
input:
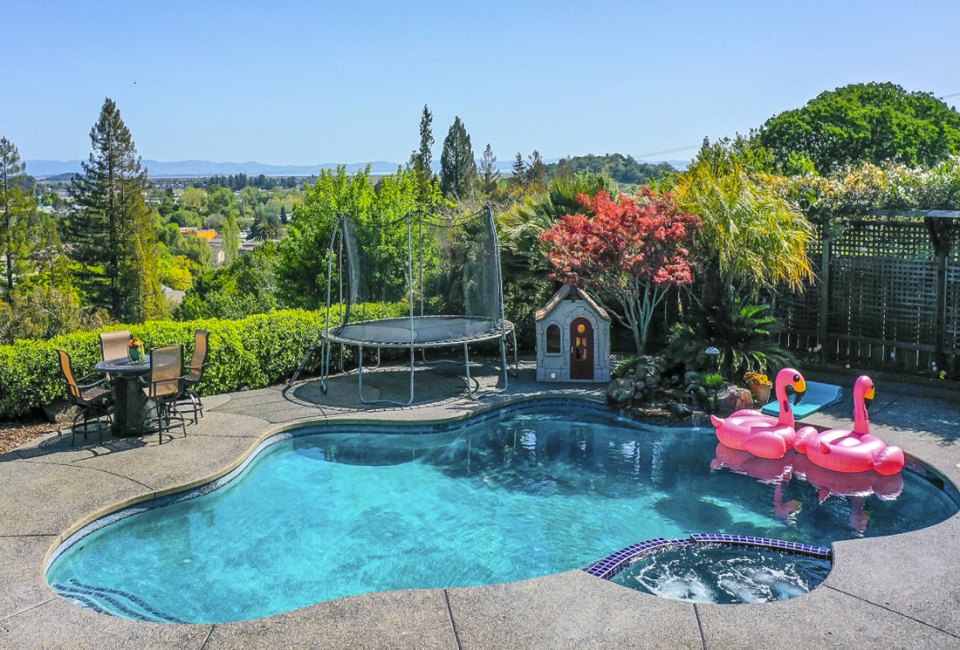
[135,350]
[760,385]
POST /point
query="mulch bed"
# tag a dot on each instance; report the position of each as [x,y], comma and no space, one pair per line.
[14,434]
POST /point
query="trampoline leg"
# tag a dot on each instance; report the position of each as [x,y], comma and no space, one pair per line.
[471,391]
[503,361]
[381,401]
[516,353]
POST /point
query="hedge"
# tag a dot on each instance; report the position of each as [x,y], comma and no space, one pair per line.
[253,352]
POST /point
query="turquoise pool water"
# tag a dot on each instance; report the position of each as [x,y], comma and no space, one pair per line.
[540,489]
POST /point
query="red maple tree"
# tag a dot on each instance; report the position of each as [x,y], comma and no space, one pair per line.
[633,250]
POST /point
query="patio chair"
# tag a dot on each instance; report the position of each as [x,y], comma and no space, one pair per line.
[114,345]
[92,401]
[166,387]
[194,376]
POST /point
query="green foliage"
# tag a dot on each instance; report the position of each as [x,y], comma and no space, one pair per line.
[254,352]
[743,334]
[625,170]
[624,367]
[246,287]
[873,122]
[489,174]
[230,239]
[751,233]
[857,190]
[713,380]
[458,168]
[422,158]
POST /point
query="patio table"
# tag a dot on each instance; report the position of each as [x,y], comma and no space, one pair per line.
[130,402]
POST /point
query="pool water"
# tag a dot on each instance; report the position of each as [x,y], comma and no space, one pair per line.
[540,489]
[724,574]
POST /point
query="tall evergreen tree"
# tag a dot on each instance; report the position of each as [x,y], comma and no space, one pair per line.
[231,239]
[422,158]
[518,173]
[284,219]
[489,174]
[458,169]
[536,170]
[16,203]
[112,229]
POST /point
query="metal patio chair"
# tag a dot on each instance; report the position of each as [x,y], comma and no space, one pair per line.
[165,388]
[91,399]
[114,345]
[194,376]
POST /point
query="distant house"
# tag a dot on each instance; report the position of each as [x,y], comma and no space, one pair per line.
[206,234]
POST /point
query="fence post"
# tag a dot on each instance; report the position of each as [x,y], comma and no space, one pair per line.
[824,286]
[940,236]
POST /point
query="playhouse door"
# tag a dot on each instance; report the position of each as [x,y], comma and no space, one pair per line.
[581,349]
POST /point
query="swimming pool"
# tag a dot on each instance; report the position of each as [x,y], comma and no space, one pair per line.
[534,489]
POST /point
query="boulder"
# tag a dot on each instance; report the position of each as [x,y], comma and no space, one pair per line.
[620,391]
[681,410]
[640,372]
[691,377]
[652,380]
[732,398]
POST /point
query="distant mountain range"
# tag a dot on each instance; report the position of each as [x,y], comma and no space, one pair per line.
[43,169]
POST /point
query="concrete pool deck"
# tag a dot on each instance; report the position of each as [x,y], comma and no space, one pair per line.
[897,591]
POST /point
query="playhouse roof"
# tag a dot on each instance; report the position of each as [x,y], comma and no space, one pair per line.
[565,294]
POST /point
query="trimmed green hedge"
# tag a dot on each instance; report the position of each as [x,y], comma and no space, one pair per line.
[253,352]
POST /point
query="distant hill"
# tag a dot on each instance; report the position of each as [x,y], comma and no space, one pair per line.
[45,169]
[624,169]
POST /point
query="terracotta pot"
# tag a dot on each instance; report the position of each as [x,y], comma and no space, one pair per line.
[761,394]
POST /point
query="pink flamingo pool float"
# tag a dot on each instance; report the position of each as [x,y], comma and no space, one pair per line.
[761,435]
[842,450]
[766,470]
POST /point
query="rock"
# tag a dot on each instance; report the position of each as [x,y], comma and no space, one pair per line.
[620,391]
[701,392]
[660,363]
[691,377]
[732,398]
[640,372]
[681,410]
[60,411]
[652,380]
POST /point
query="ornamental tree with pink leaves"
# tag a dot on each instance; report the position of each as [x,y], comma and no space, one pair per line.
[632,251]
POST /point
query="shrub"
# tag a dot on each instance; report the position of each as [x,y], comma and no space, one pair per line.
[713,380]
[254,352]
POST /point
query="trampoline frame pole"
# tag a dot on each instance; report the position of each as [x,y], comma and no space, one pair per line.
[502,314]
[325,344]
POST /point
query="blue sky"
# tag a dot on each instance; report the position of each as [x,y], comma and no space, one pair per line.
[309,82]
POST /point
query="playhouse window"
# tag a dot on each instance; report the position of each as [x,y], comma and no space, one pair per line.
[553,339]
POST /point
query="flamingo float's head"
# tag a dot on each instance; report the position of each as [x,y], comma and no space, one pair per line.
[865,384]
[794,380]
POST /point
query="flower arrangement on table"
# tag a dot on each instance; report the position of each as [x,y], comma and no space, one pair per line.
[760,385]
[135,350]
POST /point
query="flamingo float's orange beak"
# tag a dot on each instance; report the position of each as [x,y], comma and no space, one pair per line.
[869,396]
[799,390]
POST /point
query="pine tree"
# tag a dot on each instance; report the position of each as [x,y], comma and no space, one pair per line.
[284,219]
[112,229]
[536,170]
[422,158]
[518,173]
[489,174]
[16,203]
[458,169]
[231,239]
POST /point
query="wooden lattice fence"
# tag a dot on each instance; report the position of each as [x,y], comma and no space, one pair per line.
[887,294]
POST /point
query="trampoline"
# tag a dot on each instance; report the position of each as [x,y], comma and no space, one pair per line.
[445,273]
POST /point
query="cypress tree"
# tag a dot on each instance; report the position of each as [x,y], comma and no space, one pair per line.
[231,239]
[422,158]
[489,174]
[112,229]
[536,170]
[458,169]
[518,173]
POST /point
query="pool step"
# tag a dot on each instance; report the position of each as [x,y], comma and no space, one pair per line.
[106,600]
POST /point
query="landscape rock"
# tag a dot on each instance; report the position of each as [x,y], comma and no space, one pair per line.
[681,410]
[731,398]
[691,377]
[620,391]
